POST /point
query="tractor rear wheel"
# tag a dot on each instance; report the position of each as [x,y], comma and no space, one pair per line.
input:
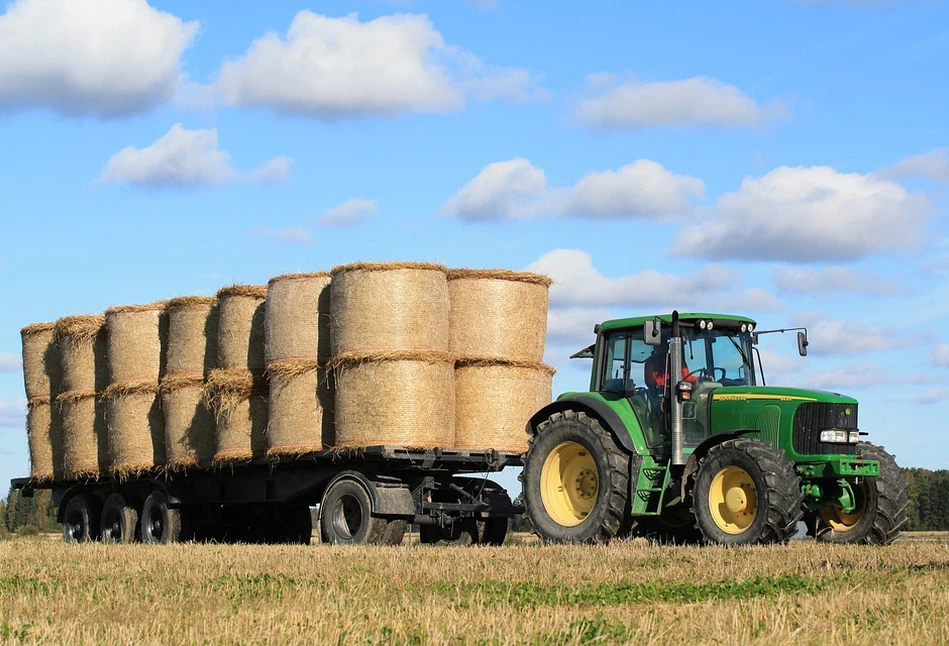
[881,506]
[576,480]
[746,492]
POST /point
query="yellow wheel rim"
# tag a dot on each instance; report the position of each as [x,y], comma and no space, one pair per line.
[569,484]
[841,521]
[733,500]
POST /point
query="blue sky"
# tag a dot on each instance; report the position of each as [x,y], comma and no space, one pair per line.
[786,160]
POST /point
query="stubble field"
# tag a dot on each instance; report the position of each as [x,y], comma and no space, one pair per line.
[628,592]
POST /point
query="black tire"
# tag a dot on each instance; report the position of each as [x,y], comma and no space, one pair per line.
[81,519]
[119,520]
[394,532]
[772,515]
[161,524]
[674,526]
[346,516]
[604,520]
[493,529]
[885,500]
[461,532]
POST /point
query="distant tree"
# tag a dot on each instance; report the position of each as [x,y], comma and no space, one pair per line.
[928,499]
[36,511]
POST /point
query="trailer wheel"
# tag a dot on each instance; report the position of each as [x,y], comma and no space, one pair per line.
[394,532]
[81,519]
[460,532]
[119,520]
[493,529]
[881,506]
[160,523]
[576,480]
[674,526]
[346,516]
[746,492]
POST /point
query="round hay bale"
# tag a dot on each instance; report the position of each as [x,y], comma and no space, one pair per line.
[498,313]
[82,348]
[39,434]
[396,306]
[239,402]
[494,401]
[84,438]
[192,336]
[135,427]
[300,408]
[42,366]
[395,399]
[297,317]
[136,336]
[241,328]
[189,423]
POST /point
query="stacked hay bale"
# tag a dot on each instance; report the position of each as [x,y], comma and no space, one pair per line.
[236,388]
[296,351]
[192,352]
[498,329]
[389,332]
[42,378]
[82,348]
[136,342]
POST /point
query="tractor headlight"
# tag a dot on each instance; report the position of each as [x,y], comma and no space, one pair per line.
[835,435]
[710,325]
[751,327]
[854,437]
[743,328]
[702,324]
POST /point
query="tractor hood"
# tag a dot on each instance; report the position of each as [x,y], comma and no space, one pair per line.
[778,394]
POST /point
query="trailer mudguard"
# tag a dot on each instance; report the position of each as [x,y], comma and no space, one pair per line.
[388,499]
[592,407]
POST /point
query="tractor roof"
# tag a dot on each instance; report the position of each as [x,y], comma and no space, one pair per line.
[638,321]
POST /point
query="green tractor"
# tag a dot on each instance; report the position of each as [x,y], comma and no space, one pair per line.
[678,441]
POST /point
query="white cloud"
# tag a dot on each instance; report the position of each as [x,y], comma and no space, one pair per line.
[516,189]
[933,166]
[841,336]
[941,355]
[12,413]
[349,212]
[573,326]
[185,158]
[933,396]
[333,68]
[10,362]
[696,102]
[807,214]
[753,299]
[108,58]
[853,376]
[291,235]
[831,279]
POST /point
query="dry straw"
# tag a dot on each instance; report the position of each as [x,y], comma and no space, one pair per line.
[82,346]
[84,437]
[389,306]
[494,401]
[42,365]
[498,313]
[297,317]
[394,399]
[192,336]
[189,423]
[135,427]
[300,408]
[241,327]
[238,399]
[39,433]
[136,335]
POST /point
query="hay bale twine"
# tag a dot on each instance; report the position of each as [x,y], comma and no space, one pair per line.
[297,317]
[494,401]
[395,398]
[42,366]
[241,328]
[136,337]
[39,435]
[85,445]
[82,349]
[498,313]
[300,408]
[238,399]
[189,423]
[396,306]
[135,428]
[192,336]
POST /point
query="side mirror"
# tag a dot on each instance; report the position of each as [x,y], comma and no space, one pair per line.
[652,332]
[802,343]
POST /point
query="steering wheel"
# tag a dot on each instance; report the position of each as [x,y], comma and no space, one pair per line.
[707,374]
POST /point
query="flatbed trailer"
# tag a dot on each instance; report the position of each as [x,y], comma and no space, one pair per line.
[365,495]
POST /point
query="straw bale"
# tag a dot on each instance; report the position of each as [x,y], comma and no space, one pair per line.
[136,336]
[189,423]
[389,306]
[84,437]
[82,348]
[42,366]
[135,427]
[40,433]
[498,313]
[241,328]
[297,317]
[395,399]
[494,401]
[192,336]
[242,431]
[300,418]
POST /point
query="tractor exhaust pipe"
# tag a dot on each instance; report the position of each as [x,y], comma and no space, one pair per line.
[675,373]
